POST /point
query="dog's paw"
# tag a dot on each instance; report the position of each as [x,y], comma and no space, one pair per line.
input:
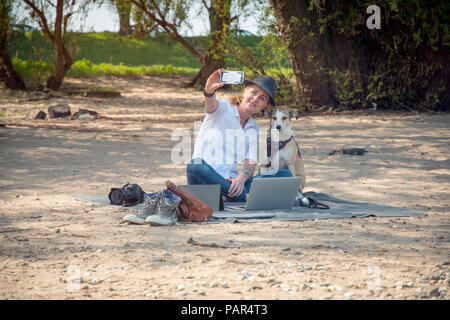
[267,171]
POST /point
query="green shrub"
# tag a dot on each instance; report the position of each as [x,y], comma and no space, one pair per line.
[85,68]
[32,71]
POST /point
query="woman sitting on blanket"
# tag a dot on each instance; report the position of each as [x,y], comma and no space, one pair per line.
[229,134]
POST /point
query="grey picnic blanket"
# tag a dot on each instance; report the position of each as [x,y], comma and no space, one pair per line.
[339,209]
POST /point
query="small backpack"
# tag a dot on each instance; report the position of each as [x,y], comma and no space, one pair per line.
[128,195]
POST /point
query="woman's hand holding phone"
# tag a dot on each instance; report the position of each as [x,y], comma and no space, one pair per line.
[213,82]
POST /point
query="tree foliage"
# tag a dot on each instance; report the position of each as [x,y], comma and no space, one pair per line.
[171,15]
[268,53]
[341,62]
[53,18]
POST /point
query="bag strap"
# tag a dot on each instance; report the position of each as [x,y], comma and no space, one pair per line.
[179,192]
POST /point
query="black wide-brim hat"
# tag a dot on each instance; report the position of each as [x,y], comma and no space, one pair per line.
[268,84]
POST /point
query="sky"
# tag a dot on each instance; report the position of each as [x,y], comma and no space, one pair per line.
[105,18]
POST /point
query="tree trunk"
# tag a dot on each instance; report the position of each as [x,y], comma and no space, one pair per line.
[8,75]
[313,54]
[308,50]
[219,19]
[124,11]
[63,59]
[211,64]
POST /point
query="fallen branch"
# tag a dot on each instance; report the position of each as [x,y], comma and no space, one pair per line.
[79,235]
[211,245]
[11,230]
[33,99]
[59,225]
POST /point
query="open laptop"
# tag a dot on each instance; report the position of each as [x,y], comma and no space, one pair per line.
[208,193]
[270,193]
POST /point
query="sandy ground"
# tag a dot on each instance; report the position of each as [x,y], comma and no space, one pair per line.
[56,247]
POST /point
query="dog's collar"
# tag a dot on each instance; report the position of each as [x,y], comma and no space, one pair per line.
[281,145]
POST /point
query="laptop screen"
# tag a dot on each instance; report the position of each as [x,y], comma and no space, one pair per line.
[273,193]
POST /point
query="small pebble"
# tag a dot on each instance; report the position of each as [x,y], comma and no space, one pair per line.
[350,294]
[339,288]
[435,292]
[435,277]
[245,273]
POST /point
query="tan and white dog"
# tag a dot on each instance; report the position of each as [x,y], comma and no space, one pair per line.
[288,151]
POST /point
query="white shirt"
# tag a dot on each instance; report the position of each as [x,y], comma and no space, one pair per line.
[222,141]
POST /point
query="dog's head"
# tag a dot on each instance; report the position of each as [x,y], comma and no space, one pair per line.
[281,119]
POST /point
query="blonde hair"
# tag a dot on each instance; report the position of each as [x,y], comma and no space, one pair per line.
[237,99]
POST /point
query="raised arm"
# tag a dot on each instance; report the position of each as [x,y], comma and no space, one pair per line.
[212,84]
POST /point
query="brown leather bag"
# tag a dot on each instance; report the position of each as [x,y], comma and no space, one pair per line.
[190,209]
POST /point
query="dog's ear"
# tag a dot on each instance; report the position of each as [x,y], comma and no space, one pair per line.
[266,113]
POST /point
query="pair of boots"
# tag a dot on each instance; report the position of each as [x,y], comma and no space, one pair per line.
[160,208]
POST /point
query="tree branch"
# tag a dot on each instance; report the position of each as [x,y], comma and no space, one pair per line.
[42,19]
[50,3]
[168,27]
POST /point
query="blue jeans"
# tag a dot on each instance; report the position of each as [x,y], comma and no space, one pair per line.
[200,172]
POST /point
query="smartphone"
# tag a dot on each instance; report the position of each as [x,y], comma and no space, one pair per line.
[232,77]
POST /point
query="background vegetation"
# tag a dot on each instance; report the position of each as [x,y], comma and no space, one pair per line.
[108,53]
[321,53]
